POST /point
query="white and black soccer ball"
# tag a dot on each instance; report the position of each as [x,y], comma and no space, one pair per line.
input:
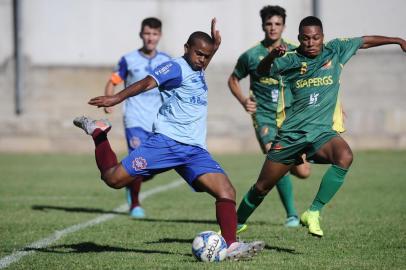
[209,246]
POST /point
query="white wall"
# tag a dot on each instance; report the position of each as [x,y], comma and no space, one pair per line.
[6,30]
[97,32]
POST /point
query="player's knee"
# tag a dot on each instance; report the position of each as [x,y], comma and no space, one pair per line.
[227,192]
[112,181]
[302,172]
[345,159]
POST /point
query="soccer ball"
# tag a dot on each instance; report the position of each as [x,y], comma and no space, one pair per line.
[209,246]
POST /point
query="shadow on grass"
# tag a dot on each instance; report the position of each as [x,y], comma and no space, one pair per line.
[171,240]
[89,247]
[197,221]
[280,249]
[75,209]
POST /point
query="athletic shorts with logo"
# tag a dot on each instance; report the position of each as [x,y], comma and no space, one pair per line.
[289,147]
[160,153]
[135,137]
[265,129]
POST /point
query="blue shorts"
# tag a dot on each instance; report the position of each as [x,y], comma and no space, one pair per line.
[135,137]
[160,153]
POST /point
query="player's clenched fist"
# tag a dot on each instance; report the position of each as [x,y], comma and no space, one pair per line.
[279,51]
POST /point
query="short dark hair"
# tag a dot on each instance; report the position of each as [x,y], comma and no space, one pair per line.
[199,35]
[270,11]
[310,21]
[151,22]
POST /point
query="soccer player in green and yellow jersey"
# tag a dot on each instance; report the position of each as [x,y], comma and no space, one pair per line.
[312,73]
[262,105]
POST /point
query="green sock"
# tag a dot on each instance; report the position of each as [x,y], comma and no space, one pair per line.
[285,190]
[330,184]
[248,205]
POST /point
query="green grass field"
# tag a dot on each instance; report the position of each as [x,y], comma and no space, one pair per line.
[364,225]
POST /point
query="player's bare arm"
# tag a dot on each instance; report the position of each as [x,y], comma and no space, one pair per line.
[374,41]
[234,84]
[107,101]
[266,63]
[109,91]
[215,35]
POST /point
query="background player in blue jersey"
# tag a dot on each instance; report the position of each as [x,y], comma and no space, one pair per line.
[139,112]
[179,139]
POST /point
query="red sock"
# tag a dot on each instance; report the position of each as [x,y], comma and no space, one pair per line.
[227,219]
[135,188]
[105,157]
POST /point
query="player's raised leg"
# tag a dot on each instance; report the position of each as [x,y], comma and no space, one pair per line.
[112,172]
[339,154]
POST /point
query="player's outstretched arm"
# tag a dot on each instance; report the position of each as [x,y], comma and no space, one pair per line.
[109,91]
[266,63]
[107,101]
[374,41]
[215,35]
[234,84]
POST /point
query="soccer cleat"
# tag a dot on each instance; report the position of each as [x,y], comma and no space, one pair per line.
[89,125]
[292,222]
[137,212]
[240,228]
[242,251]
[311,219]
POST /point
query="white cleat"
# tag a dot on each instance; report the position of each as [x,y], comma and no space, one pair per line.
[89,125]
[242,251]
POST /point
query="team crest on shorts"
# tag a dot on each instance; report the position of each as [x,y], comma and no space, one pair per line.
[139,163]
[277,146]
[135,142]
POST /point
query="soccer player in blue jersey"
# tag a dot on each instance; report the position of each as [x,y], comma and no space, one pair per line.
[179,138]
[139,112]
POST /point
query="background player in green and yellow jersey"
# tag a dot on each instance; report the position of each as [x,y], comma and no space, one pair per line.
[312,72]
[262,105]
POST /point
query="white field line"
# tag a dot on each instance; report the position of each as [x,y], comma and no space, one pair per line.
[45,242]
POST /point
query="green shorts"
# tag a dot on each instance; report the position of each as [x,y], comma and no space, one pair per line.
[288,148]
[265,129]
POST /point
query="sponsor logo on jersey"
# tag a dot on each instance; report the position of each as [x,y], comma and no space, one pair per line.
[198,100]
[327,65]
[315,82]
[268,80]
[303,68]
[139,163]
[164,69]
[275,95]
[313,98]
